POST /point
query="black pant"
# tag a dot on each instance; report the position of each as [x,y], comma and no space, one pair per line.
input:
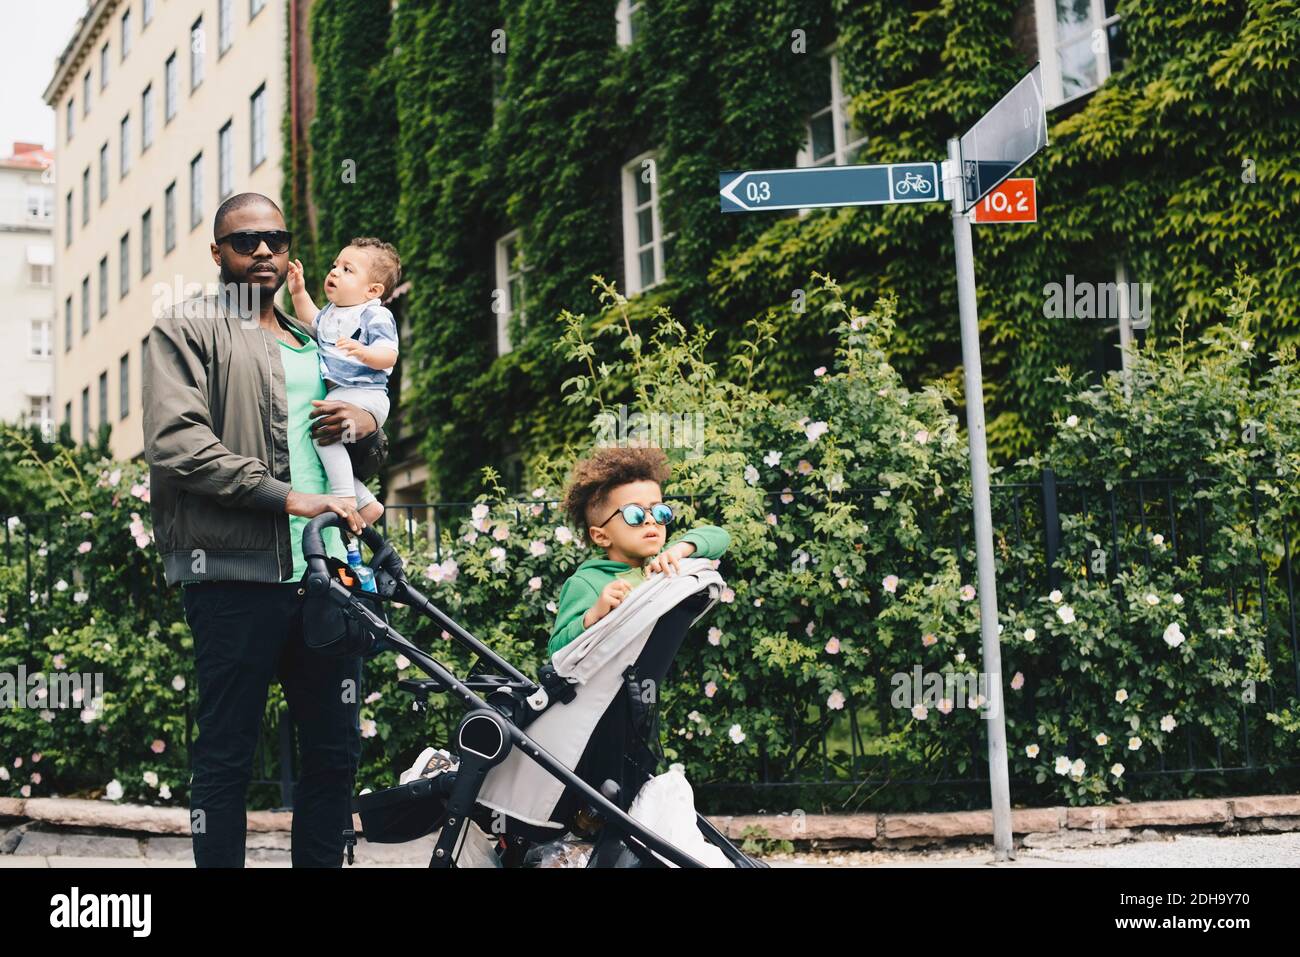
[245,634]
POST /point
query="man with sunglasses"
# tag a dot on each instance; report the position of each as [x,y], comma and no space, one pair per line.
[230,393]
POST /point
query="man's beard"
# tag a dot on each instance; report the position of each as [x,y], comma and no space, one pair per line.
[246,297]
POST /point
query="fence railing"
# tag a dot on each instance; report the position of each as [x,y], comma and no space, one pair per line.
[1039,526]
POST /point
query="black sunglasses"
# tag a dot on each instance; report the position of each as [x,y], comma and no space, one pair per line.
[246,242]
[635,515]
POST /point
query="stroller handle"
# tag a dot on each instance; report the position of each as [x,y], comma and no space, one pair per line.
[313,545]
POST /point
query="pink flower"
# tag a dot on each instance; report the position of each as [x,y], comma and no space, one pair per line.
[537,547]
[1017,682]
[142,541]
[967,592]
[500,533]
[771,518]
[786,496]
[890,583]
[804,467]
[710,689]
[833,646]
[836,700]
[727,596]
[84,547]
[715,635]
[563,535]
[25,790]
[815,431]
[36,757]
[138,490]
[60,662]
[928,639]
[158,746]
[535,583]
[819,371]
[36,778]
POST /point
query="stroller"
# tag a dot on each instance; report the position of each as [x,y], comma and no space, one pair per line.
[500,703]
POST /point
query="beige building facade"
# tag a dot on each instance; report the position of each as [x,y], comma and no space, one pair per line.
[164,108]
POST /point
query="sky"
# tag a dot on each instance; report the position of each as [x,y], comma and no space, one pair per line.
[34,34]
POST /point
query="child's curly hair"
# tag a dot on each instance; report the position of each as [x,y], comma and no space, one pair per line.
[604,470]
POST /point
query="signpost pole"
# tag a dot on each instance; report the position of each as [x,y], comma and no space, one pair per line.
[999,778]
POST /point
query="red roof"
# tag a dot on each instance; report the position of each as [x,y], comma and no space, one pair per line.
[30,155]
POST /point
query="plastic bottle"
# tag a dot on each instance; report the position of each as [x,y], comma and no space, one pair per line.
[365,574]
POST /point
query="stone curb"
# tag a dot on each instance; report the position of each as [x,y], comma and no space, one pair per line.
[1271,812]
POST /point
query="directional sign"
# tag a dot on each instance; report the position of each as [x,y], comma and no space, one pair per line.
[1014,201]
[1005,137]
[758,190]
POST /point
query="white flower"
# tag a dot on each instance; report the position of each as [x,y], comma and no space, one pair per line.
[80,597]
[1134,743]
[165,792]
[812,626]
[368,728]
[1167,723]
[967,592]
[1121,695]
[60,585]
[535,583]
[736,734]
[563,535]
[920,712]
[1152,599]
[1055,597]
[835,482]
[151,778]
[537,547]
[1157,539]
[772,459]
[178,683]
[538,492]
[114,790]
[836,700]
[480,512]
[500,533]
[1062,765]
[1031,751]
[890,583]
[715,635]
[961,657]
[1102,740]
[1117,769]
[1072,421]
[1030,634]
[402,662]
[751,475]
[1077,768]
[1174,636]
[1066,614]
[1177,599]
[815,431]
[550,606]
[727,596]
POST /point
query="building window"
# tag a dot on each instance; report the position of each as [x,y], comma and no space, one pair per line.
[85,94]
[146,118]
[85,305]
[830,138]
[103,287]
[146,13]
[124,265]
[225,26]
[225,162]
[85,196]
[196,190]
[257,127]
[169,219]
[103,174]
[124,385]
[67,220]
[38,414]
[146,243]
[124,153]
[509,298]
[85,415]
[103,399]
[40,266]
[67,324]
[103,66]
[70,112]
[255,7]
[629,21]
[169,89]
[196,54]
[41,338]
[644,243]
[126,33]
[1080,43]
[40,204]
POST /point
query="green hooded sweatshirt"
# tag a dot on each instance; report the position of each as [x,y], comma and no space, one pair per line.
[584,587]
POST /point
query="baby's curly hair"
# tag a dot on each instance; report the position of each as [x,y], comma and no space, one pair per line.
[604,470]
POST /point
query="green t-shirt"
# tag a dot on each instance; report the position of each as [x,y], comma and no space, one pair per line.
[302,383]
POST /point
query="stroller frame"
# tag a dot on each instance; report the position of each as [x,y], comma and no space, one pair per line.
[489,728]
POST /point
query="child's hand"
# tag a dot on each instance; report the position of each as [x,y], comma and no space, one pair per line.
[610,598]
[667,560]
[296,281]
[351,348]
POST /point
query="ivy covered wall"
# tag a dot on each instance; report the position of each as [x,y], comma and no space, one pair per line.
[1147,171]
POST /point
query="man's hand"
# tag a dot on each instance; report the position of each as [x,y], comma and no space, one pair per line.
[296,282]
[309,505]
[610,598]
[667,560]
[338,420]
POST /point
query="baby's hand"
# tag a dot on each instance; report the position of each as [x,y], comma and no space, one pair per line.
[350,347]
[610,598]
[667,560]
[296,281]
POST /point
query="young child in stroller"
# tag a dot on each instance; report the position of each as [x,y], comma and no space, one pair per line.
[615,498]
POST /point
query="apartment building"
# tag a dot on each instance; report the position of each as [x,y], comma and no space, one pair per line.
[27,286]
[164,108]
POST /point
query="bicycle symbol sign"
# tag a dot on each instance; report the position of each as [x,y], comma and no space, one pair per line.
[773,189]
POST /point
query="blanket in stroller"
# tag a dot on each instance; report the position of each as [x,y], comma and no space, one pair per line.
[521,788]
